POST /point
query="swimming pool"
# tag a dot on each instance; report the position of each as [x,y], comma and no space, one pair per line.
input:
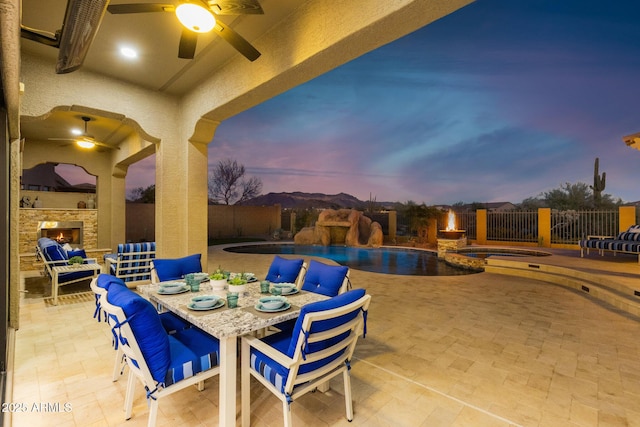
[402,261]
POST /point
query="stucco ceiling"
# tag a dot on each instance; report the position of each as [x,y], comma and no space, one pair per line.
[158,68]
[156,36]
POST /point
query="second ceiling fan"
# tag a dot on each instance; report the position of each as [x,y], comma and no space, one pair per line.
[197,16]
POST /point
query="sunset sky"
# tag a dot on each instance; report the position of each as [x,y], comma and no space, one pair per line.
[500,101]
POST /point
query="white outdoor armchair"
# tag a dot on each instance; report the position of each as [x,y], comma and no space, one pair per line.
[292,363]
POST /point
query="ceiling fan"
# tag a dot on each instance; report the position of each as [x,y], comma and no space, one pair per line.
[85,140]
[197,16]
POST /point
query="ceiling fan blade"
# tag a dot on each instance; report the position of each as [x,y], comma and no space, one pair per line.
[236,7]
[117,9]
[236,40]
[188,41]
[61,139]
[102,144]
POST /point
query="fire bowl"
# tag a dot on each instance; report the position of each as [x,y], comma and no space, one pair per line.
[452,234]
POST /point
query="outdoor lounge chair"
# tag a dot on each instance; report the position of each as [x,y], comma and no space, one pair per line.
[290,364]
[163,363]
[52,254]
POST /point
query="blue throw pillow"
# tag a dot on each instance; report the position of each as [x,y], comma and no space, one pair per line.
[284,270]
[80,252]
[147,328]
[324,279]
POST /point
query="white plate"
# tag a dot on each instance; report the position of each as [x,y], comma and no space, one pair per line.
[259,307]
[218,304]
[185,288]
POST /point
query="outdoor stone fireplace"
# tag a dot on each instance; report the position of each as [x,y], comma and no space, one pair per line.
[70,232]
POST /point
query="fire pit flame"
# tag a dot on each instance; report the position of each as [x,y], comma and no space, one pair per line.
[451,232]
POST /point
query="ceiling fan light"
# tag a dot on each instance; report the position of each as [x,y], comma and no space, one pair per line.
[85,143]
[196,18]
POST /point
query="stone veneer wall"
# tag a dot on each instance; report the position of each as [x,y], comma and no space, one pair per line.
[29,219]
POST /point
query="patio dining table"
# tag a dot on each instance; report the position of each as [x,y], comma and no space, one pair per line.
[227,324]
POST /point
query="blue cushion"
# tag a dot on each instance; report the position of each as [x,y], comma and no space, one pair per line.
[286,341]
[80,252]
[106,280]
[174,269]
[55,253]
[324,279]
[171,322]
[284,270]
[74,275]
[129,253]
[192,351]
[147,328]
[337,301]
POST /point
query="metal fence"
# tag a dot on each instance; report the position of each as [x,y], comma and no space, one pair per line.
[513,226]
[569,227]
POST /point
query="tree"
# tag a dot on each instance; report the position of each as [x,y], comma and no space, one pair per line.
[143,195]
[227,183]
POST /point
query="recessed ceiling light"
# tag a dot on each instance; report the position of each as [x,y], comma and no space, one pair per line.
[76,131]
[128,52]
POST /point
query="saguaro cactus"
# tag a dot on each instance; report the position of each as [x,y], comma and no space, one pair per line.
[598,183]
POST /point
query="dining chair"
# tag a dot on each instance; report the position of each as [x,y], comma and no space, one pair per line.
[320,347]
[163,363]
[329,280]
[163,269]
[100,287]
[283,270]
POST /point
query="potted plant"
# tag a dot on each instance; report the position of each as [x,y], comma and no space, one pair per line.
[218,279]
[238,283]
[76,260]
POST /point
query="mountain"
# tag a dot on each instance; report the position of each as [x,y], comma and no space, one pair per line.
[300,200]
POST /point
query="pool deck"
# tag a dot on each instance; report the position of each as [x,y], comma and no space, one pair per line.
[484,349]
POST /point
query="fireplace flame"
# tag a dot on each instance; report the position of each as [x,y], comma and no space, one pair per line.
[451,221]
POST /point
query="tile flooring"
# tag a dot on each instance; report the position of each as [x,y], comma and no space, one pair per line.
[475,350]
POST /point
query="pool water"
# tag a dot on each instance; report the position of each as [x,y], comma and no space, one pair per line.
[402,261]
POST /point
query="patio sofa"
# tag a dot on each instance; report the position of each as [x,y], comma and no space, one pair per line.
[625,242]
[131,262]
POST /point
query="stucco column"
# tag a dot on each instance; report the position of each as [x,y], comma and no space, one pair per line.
[115,217]
[181,199]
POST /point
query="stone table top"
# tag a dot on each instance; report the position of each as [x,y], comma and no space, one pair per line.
[226,322]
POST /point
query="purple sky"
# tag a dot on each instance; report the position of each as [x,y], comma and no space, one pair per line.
[499,101]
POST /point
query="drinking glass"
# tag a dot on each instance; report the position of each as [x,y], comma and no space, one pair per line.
[264,286]
[232,299]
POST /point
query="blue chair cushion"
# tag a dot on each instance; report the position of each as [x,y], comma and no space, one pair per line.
[130,257]
[324,279]
[54,252]
[174,269]
[192,351]
[80,252]
[171,322]
[284,270]
[286,341]
[74,275]
[147,328]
